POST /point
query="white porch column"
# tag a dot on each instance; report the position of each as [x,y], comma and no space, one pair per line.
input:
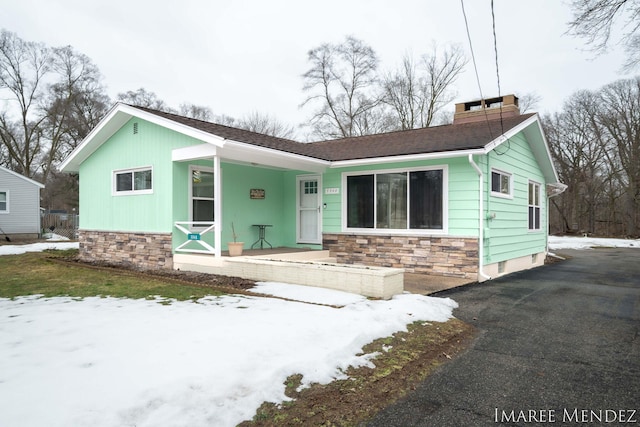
[217,206]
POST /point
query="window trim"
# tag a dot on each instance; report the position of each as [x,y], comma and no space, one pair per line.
[8,200]
[398,231]
[190,192]
[508,195]
[115,173]
[538,206]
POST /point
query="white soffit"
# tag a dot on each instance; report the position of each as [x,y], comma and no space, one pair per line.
[194,152]
[261,156]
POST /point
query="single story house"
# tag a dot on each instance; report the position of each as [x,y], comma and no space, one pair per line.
[468,199]
[19,205]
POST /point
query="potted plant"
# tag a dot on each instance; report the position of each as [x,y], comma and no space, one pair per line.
[235,247]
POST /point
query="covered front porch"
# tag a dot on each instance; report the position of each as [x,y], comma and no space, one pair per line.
[224,194]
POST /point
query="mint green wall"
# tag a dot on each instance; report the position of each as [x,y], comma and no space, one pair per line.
[239,208]
[151,146]
[462,194]
[507,235]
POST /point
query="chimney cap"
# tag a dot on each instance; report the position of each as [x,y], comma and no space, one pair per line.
[488,108]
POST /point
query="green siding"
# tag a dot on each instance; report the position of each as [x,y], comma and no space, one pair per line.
[150,146]
[169,202]
[239,208]
[507,235]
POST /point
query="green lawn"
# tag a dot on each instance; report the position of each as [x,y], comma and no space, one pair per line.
[40,273]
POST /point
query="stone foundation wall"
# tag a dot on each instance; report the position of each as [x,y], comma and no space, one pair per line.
[445,256]
[140,250]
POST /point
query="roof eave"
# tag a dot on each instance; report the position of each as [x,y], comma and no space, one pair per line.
[116,117]
[22,177]
[532,128]
[264,156]
[405,158]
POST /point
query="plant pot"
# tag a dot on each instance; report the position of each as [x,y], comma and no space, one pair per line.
[235,248]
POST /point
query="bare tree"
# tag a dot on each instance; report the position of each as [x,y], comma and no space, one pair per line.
[594,21]
[578,146]
[144,98]
[266,124]
[196,112]
[528,102]
[417,93]
[74,103]
[23,67]
[342,82]
[595,144]
[620,116]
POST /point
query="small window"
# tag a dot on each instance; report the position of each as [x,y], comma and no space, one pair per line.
[202,194]
[500,183]
[133,181]
[4,201]
[534,206]
[311,187]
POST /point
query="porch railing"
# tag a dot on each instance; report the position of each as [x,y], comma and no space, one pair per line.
[195,236]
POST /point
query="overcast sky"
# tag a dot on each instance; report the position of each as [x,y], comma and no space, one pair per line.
[239,56]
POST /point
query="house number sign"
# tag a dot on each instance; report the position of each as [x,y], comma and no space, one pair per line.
[256,193]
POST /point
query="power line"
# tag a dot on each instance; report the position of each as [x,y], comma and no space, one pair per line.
[473,57]
[495,49]
[475,66]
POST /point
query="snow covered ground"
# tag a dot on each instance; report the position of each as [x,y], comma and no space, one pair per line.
[567,242]
[36,247]
[122,362]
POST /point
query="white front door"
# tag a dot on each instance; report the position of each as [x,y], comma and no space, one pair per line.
[309,210]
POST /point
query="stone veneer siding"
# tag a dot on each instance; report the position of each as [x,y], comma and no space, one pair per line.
[445,256]
[140,250]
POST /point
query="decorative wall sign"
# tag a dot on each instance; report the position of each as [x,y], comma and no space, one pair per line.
[256,193]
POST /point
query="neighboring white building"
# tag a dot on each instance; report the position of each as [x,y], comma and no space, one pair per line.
[19,205]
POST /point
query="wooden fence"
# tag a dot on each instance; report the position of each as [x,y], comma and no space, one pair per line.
[65,225]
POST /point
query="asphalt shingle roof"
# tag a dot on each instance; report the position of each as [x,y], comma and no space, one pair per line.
[435,139]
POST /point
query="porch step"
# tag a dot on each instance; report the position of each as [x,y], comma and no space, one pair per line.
[296,256]
[375,282]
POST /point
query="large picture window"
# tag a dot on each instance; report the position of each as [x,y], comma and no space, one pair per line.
[202,194]
[133,181]
[534,206]
[396,200]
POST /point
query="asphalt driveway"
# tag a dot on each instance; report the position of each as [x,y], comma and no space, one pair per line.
[558,345]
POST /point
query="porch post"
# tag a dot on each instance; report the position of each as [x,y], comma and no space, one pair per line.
[217,206]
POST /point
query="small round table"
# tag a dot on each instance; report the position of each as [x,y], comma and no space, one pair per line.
[261,233]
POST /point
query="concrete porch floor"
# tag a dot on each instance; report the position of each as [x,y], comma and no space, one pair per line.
[423,284]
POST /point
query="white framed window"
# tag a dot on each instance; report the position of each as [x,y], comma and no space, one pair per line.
[4,201]
[501,183]
[534,206]
[133,181]
[396,200]
[201,193]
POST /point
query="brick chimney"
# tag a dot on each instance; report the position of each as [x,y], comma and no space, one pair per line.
[486,109]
